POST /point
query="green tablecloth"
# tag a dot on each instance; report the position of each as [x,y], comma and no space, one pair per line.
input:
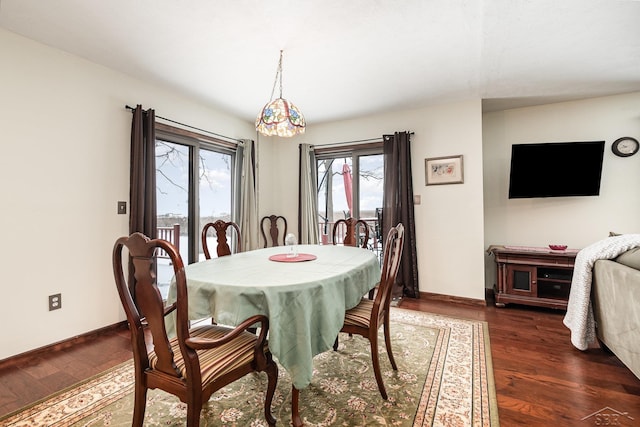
[305,301]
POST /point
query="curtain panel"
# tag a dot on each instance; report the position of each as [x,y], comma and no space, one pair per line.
[248,209]
[142,180]
[142,192]
[308,226]
[398,207]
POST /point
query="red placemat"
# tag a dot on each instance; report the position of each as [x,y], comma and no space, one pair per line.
[286,258]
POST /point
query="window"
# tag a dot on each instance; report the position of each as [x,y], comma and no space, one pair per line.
[350,184]
[194,185]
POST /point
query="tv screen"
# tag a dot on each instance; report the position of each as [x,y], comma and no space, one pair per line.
[556,169]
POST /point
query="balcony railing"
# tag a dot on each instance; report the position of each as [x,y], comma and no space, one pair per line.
[170,234]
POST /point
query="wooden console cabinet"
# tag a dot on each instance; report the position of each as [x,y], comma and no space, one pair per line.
[533,276]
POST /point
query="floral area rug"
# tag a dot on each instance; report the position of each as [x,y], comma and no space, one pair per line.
[444,378]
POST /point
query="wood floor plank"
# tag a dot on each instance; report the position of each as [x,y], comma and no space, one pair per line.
[540,378]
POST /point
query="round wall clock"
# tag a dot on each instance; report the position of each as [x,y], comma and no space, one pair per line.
[625,146]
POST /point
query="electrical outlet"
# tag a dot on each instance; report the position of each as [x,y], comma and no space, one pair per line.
[55,302]
[122,208]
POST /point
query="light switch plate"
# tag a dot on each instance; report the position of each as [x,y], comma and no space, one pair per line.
[122,208]
[416,199]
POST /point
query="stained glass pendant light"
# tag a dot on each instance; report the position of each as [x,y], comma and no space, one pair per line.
[279,116]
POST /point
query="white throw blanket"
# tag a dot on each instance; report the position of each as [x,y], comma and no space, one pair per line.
[579,317]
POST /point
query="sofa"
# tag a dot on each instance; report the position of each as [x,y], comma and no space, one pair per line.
[615,297]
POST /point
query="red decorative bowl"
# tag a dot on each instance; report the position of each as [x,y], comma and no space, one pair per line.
[558,247]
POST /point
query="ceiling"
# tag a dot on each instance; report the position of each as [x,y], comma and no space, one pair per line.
[345,59]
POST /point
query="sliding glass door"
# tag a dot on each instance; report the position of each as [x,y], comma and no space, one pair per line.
[350,184]
[215,193]
[194,185]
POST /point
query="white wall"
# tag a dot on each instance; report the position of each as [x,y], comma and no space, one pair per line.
[64,165]
[449,223]
[276,195]
[574,221]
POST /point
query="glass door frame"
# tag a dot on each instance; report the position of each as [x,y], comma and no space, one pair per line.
[354,152]
[196,142]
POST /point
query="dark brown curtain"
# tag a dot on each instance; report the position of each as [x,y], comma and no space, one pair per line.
[398,207]
[142,193]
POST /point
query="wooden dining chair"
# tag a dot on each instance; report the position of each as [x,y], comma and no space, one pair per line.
[366,318]
[269,225]
[199,360]
[353,227]
[221,227]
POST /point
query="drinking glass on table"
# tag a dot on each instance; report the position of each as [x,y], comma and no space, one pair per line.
[291,241]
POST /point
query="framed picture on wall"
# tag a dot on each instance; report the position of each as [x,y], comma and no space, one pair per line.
[444,170]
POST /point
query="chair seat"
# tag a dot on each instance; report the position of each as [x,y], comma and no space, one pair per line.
[218,361]
[359,315]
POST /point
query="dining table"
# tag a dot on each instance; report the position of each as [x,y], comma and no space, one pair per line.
[304,291]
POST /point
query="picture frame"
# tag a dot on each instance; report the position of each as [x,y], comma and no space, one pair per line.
[444,170]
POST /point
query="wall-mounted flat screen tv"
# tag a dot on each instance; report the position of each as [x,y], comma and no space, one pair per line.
[556,169]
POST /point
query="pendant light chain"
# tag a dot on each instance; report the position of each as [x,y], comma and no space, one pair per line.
[278,76]
[280,72]
[280,117]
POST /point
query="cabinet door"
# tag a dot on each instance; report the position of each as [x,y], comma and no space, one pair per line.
[521,280]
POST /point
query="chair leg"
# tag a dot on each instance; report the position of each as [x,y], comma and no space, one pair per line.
[139,405]
[272,375]
[387,341]
[376,364]
[193,414]
[335,344]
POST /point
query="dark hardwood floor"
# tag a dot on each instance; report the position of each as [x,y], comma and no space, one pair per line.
[541,379]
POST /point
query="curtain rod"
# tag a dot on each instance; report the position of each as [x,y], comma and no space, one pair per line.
[380,138]
[191,127]
[351,142]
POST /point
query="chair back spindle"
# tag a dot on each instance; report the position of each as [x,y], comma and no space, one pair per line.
[269,225]
[394,246]
[142,299]
[356,234]
[221,229]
